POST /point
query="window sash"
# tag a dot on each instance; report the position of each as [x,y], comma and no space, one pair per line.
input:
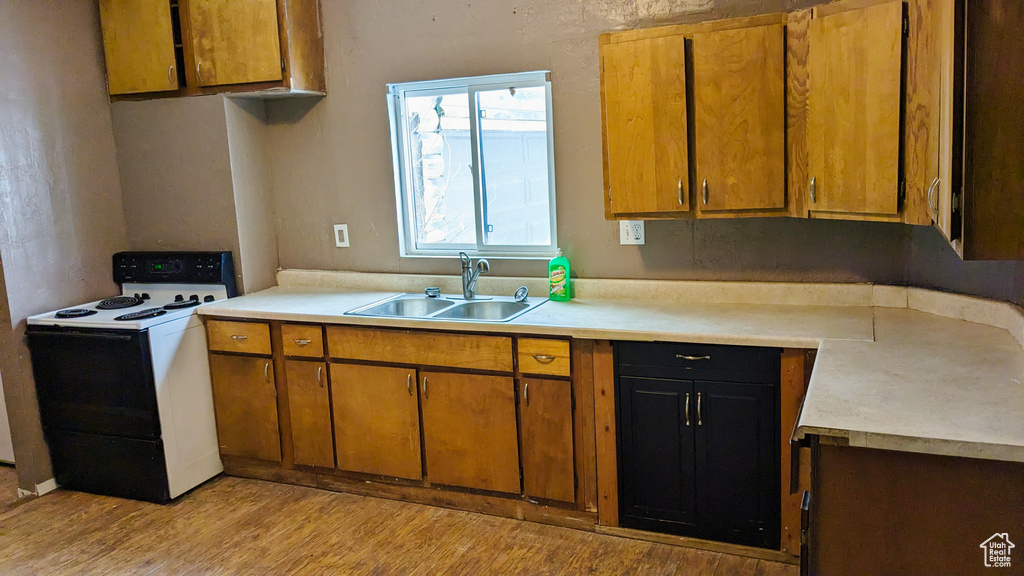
[401,146]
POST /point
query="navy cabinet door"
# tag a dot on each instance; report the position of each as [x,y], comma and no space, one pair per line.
[737,462]
[656,436]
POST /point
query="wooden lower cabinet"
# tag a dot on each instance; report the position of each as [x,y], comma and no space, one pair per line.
[376,420]
[245,401]
[545,429]
[309,404]
[469,431]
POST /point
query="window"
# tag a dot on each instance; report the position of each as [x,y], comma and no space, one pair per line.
[474,166]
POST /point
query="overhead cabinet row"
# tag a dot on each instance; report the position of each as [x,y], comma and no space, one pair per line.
[187,47]
[881,110]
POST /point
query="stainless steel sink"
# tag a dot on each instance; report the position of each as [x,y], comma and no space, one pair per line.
[404,306]
[449,308]
[493,310]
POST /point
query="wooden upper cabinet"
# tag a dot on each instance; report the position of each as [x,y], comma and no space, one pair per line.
[854,106]
[309,407]
[545,427]
[138,43]
[469,431]
[235,42]
[643,93]
[740,119]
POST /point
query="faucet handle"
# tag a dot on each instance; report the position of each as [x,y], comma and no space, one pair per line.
[466,260]
[432,292]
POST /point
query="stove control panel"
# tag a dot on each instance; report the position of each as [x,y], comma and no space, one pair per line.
[176,268]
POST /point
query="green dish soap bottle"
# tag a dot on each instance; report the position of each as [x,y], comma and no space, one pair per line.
[559,289]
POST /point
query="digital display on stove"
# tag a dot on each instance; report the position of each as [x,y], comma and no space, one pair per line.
[167,266]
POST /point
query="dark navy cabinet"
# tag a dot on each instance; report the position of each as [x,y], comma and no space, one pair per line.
[698,441]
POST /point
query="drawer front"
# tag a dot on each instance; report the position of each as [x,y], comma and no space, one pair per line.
[543,356]
[244,337]
[421,348]
[699,362]
[302,340]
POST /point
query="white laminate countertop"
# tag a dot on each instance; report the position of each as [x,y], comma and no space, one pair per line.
[889,378]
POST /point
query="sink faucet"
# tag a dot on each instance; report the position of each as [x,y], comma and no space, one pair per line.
[470,274]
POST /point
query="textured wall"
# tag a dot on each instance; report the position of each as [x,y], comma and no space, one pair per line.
[254,204]
[176,174]
[60,201]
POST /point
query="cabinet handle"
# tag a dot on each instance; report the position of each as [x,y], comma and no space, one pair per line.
[693,358]
[170,74]
[199,73]
[425,395]
[302,341]
[526,392]
[408,384]
[699,422]
[687,409]
[705,187]
[320,375]
[609,194]
[680,192]
[544,358]
[239,337]
[266,371]
[813,190]
[933,197]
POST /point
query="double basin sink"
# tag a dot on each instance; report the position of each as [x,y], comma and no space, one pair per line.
[484,309]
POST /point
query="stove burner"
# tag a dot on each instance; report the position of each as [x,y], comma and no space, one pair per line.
[74,313]
[179,304]
[118,302]
[142,314]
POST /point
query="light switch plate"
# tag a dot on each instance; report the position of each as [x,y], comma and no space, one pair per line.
[341,235]
[631,232]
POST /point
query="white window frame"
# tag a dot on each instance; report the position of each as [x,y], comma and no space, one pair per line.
[400,143]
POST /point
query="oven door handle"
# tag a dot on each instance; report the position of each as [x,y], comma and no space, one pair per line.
[104,335]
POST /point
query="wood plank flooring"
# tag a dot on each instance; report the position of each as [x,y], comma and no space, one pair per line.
[8,487]
[239,526]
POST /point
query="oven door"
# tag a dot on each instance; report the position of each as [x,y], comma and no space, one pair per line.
[95,380]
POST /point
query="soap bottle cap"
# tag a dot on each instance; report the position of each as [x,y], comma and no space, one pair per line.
[558,252]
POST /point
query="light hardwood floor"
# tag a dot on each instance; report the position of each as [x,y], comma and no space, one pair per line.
[8,486]
[238,526]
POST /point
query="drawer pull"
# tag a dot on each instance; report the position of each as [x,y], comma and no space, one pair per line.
[687,409]
[544,358]
[239,337]
[693,358]
[302,341]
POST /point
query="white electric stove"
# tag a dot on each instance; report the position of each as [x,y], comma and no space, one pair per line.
[124,383]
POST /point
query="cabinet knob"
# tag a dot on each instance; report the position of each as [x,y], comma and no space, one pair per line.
[705,188]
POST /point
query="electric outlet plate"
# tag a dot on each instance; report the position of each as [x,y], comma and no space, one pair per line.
[341,235]
[631,232]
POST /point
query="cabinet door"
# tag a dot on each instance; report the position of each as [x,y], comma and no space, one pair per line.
[376,420]
[740,119]
[854,102]
[139,46]
[245,401]
[659,484]
[644,95]
[545,428]
[469,431]
[738,463]
[235,42]
[309,404]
